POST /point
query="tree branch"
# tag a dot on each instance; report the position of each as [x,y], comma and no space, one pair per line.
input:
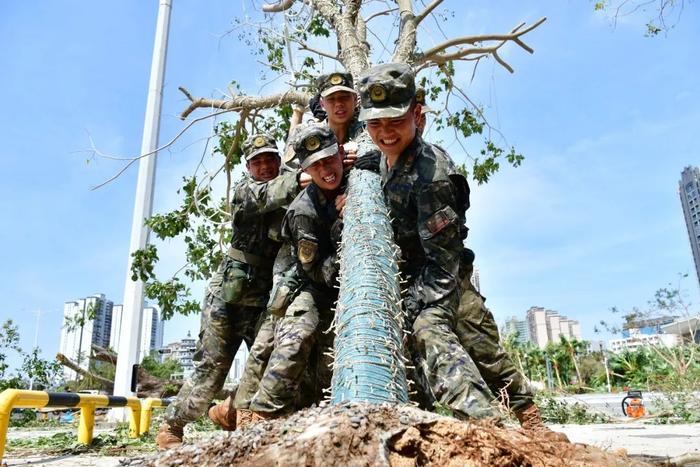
[435,56]
[323,53]
[245,102]
[278,7]
[429,9]
[63,360]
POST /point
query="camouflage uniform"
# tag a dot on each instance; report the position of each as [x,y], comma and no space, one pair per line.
[478,333]
[427,200]
[307,227]
[238,291]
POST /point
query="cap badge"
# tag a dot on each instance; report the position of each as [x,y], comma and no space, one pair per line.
[336,80]
[312,143]
[259,142]
[377,93]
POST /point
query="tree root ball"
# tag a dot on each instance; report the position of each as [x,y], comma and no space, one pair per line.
[383,435]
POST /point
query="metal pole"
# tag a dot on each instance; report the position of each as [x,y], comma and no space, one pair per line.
[133,290]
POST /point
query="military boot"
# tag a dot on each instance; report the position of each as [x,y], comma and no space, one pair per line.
[224,414]
[531,421]
[169,436]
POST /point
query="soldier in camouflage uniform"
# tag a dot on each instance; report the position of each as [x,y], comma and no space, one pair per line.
[478,333]
[427,201]
[312,227]
[238,292]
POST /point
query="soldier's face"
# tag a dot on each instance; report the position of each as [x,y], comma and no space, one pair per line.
[327,173]
[340,107]
[393,135]
[264,167]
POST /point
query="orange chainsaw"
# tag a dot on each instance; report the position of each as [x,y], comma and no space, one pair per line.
[632,404]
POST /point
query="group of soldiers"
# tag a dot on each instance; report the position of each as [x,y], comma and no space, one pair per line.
[275,287]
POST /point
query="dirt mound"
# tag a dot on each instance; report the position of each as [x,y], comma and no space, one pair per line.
[397,436]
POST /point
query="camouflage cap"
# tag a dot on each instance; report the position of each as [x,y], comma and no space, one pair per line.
[386,91]
[314,142]
[258,144]
[334,82]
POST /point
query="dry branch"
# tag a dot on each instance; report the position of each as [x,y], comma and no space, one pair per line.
[65,361]
[278,7]
[437,55]
[245,102]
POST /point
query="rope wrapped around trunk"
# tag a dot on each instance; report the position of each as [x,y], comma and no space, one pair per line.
[369,365]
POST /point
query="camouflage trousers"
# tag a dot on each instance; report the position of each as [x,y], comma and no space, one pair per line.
[478,334]
[445,374]
[287,367]
[223,328]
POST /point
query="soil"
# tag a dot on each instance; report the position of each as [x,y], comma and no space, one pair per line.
[385,435]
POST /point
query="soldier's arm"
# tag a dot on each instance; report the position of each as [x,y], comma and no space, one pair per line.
[254,198]
[305,233]
[439,231]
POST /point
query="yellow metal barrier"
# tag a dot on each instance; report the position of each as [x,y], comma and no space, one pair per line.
[22,399]
[147,406]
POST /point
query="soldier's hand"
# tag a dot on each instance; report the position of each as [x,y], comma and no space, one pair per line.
[369,161]
[304,180]
[350,154]
[340,204]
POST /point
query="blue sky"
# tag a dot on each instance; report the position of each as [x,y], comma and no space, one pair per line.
[606,118]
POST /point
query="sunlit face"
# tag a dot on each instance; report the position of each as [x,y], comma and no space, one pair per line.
[340,106]
[393,135]
[264,167]
[327,173]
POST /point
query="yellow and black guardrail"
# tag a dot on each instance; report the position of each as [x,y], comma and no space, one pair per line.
[139,422]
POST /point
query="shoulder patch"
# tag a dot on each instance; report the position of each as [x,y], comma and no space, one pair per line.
[438,221]
[306,251]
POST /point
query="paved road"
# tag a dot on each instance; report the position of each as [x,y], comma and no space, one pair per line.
[637,438]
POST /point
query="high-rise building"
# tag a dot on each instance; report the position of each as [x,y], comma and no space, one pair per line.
[182,352]
[519,328]
[546,326]
[86,321]
[537,325]
[689,191]
[151,330]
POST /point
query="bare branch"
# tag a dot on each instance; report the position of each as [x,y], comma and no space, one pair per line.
[380,13]
[278,7]
[437,56]
[429,9]
[323,53]
[166,145]
[65,361]
[245,102]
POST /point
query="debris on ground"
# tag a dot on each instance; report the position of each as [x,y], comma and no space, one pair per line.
[389,435]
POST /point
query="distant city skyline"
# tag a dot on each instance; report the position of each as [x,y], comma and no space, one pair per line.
[542,326]
[95,320]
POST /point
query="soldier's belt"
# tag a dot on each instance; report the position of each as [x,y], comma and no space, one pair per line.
[248,258]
